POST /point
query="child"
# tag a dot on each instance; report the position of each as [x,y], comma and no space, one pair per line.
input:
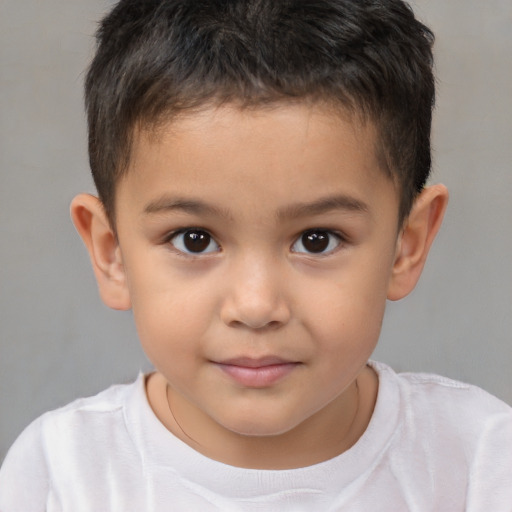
[261,171]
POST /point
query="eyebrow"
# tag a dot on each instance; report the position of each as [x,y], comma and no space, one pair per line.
[324,205]
[318,207]
[191,206]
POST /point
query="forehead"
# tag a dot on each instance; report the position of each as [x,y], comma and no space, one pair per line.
[284,152]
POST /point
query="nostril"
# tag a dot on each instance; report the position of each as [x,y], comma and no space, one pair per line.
[235,315]
[256,300]
[259,326]
[274,324]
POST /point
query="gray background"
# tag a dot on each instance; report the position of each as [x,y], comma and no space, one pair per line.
[57,340]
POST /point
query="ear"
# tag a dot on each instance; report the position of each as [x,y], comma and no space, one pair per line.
[415,240]
[94,227]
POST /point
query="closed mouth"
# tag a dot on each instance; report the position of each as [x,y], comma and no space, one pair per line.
[257,372]
[260,362]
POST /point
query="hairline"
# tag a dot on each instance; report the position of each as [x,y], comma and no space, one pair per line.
[152,126]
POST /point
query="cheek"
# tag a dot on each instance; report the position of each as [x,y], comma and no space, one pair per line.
[347,312]
[168,313]
[168,332]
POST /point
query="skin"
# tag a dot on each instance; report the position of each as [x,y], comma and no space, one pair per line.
[305,322]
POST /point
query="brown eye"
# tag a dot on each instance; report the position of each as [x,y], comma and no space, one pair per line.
[194,241]
[316,241]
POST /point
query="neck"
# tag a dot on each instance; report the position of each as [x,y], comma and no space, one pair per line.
[324,435]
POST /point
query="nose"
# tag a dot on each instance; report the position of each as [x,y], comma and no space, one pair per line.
[256,295]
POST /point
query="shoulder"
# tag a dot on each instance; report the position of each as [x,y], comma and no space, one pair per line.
[447,416]
[451,438]
[105,402]
[461,433]
[85,415]
[53,442]
[94,415]
[79,412]
[437,395]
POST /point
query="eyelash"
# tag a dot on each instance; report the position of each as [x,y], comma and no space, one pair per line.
[200,239]
[320,237]
[323,238]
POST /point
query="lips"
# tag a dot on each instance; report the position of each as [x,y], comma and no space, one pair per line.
[257,373]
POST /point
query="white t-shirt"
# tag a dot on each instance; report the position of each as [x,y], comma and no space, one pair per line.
[432,444]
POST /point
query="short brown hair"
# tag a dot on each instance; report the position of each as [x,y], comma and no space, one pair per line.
[156,58]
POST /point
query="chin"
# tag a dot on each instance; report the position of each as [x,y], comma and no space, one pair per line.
[260,427]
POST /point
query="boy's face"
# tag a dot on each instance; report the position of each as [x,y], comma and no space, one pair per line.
[258,248]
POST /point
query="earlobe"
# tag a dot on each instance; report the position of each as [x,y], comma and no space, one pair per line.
[92,224]
[415,240]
